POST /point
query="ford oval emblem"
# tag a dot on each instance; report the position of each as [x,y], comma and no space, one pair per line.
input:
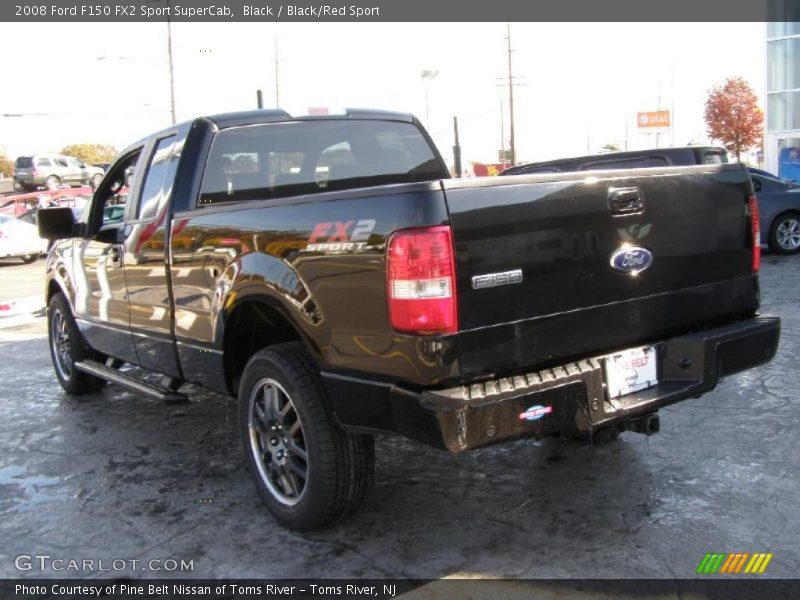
[631,259]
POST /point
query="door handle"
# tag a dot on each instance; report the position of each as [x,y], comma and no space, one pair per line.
[625,201]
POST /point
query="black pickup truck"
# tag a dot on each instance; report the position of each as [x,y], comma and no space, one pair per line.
[327,272]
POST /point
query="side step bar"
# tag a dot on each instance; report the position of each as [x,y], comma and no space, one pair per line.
[134,384]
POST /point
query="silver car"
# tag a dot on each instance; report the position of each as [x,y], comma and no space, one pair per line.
[51,171]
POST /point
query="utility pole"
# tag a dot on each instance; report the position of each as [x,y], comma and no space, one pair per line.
[511,99]
[456,149]
[502,136]
[277,82]
[658,134]
[626,134]
[171,68]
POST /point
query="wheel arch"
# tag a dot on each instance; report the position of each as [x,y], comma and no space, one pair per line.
[252,323]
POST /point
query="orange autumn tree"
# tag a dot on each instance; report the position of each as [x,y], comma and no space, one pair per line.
[733,116]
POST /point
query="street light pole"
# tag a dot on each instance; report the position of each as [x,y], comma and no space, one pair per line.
[171,69]
[427,75]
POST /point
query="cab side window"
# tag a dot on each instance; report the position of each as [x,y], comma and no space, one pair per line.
[113,198]
[160,173]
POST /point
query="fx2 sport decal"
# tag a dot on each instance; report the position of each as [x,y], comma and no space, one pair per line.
[340,236]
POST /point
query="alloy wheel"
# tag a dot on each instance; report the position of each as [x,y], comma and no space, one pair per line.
[277,442]
[788,234]
[60,344]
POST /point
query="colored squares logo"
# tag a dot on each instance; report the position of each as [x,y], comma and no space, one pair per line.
[734,563]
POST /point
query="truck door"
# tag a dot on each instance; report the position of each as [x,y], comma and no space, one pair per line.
[147,258]
[101,302]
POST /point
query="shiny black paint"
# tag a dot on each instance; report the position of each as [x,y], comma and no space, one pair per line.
[228,255]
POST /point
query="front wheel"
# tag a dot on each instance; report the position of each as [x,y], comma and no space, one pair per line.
[307,470]
[67,348]
[784,235]
[52,183]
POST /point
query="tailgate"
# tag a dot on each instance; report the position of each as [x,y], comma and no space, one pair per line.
[534,256]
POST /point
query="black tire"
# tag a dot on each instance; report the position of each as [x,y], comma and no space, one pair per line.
[66,352]
[52,183]
[784,234]
[339,466]
[28,258]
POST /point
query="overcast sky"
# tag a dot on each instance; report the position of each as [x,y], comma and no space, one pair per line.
[581,82]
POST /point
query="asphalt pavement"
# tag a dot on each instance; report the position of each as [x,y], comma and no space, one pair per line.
[118,476]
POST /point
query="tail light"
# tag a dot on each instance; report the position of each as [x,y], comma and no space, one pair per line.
[755,230]
[421,282]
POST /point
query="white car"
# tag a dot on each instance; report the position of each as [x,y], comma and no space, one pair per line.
[20,240]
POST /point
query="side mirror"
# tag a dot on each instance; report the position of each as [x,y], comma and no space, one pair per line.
[56,223]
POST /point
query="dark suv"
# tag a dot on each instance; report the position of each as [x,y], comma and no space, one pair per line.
[636,159]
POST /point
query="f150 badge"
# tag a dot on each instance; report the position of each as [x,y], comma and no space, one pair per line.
[631,259]
[496,279]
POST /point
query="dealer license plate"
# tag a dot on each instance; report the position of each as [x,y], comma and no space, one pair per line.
[630,371]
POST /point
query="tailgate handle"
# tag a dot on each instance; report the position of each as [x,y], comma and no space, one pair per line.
[625,201]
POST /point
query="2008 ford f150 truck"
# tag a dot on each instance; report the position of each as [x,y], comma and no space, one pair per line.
[328,272]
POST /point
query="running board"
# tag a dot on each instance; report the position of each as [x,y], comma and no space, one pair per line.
[134,384]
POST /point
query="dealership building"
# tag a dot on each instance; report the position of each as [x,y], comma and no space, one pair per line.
[782,138]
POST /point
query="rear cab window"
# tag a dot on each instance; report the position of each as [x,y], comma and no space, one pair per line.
[258,162]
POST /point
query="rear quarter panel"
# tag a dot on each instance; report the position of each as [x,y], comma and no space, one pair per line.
[225,255]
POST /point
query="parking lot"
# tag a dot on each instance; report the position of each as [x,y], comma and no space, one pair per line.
[118,476]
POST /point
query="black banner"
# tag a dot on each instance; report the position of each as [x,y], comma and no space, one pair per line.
[716,588]
[397,10]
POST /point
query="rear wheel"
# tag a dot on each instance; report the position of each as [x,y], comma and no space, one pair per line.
[784,235]
[67,347]
[307,470]
[52,182]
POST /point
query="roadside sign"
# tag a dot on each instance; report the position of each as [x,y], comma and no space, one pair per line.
[656,119]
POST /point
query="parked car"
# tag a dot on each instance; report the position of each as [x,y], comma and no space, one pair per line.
[779,211]
[19,239]
[340,284]
[51,171]
[634,159]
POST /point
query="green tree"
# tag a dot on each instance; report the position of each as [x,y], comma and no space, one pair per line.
[91,153]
